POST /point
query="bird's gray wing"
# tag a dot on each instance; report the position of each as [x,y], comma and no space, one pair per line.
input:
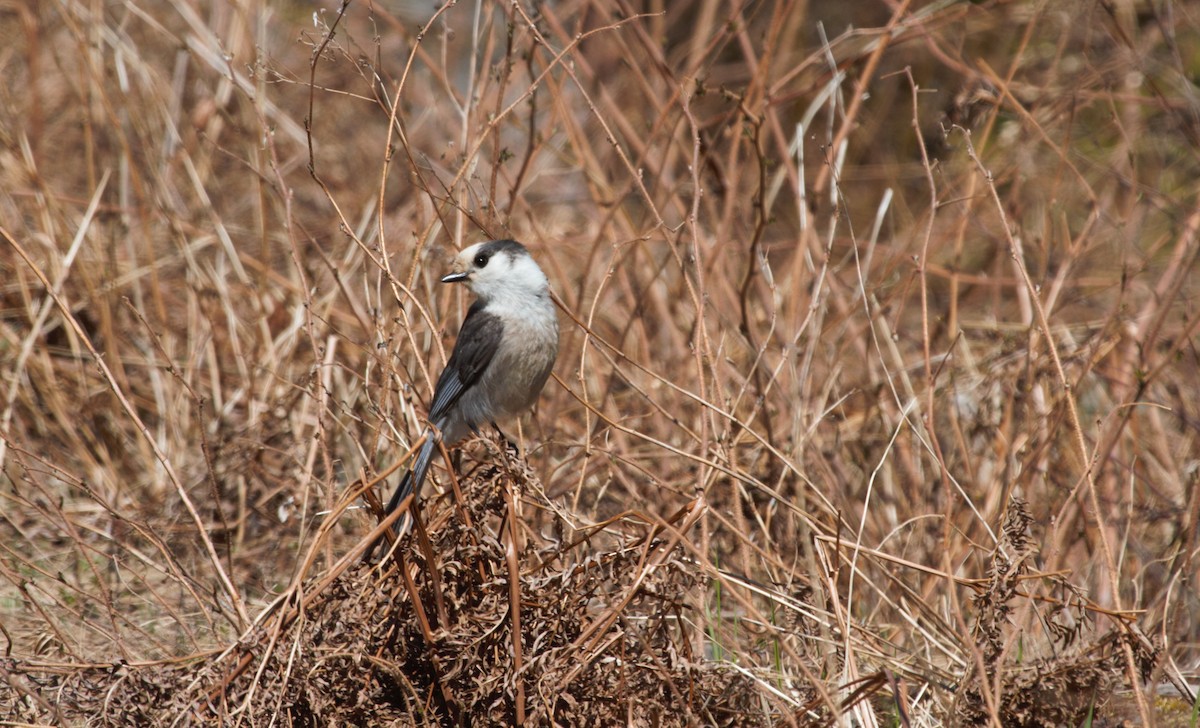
[473,351]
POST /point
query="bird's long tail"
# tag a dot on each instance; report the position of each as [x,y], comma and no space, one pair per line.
[410,483]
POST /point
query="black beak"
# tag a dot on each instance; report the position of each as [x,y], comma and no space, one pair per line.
[454,277]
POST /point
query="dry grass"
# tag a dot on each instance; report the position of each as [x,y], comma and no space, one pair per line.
[879,397]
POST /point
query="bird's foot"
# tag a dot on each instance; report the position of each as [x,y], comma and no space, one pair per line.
[509,446]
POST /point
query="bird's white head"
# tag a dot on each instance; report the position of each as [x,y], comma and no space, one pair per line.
[498,269]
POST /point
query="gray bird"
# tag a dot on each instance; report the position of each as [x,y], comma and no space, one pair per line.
[501,359]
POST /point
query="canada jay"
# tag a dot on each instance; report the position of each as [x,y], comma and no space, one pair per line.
[503,355]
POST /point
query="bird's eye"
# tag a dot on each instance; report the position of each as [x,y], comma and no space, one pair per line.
[481,260]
